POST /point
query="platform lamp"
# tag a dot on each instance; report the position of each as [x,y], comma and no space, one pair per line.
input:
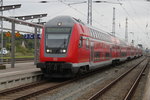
[5,8]
[29,17]
[9,7]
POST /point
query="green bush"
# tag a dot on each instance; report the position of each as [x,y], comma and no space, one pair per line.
[21,51]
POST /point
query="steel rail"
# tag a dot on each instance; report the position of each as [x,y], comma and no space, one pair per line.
[135,84]
[60,84]
[103,90]
[44,90]
[38,92]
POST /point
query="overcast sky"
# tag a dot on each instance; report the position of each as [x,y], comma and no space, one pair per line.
[137,12]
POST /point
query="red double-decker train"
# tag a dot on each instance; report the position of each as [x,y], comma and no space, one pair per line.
[68,47]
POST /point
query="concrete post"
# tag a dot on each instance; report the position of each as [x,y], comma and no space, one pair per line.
[35,46]
[1,25]
[13,45]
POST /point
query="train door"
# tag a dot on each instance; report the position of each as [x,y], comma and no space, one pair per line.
[111,52]
[92,52]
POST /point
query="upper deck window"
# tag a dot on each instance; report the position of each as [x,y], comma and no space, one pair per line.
[58,30]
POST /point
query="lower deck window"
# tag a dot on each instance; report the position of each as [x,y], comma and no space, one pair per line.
[96,56]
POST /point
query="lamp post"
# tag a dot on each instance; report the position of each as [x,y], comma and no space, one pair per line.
[1,25]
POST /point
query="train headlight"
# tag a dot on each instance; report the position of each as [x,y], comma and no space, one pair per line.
[49,51]
[64,51]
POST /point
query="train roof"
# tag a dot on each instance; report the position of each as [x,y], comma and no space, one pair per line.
[69,21]
[109,37]
[66,21]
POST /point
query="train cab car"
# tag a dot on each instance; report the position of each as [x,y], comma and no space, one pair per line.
[60,46]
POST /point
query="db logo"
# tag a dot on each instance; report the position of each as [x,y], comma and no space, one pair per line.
[55,59]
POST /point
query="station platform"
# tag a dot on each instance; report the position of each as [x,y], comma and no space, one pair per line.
[23,73]
[18,67]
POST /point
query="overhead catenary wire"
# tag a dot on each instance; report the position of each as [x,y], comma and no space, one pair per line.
[146,11]
[142,30]
[79,12]
[71,7]
[131,17]
[100,15]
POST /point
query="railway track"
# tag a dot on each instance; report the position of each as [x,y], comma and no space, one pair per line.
[125,84]
[36,89]
[30,90]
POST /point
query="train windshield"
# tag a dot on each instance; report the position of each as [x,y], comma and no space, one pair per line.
[57,37]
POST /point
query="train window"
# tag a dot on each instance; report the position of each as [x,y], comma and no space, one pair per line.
[97,35]
[80,42]
[87,43]
[58,30]
[107,54]
[91,32]
[123,54]
[96,56]
[94,35]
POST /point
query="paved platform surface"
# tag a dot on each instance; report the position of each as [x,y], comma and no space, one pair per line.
[23,73]
[18,67]
[147,89]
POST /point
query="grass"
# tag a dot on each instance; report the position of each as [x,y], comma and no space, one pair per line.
[21,54]
[19,57]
